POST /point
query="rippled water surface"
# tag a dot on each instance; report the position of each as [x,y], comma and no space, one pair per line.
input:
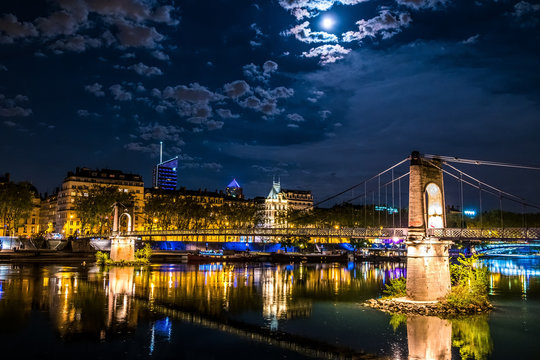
[266,311]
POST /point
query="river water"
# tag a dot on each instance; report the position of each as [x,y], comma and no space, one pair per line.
[247,311]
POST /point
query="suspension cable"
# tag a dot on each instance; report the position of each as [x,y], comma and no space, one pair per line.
[480,162]
[496,191]
[355,186]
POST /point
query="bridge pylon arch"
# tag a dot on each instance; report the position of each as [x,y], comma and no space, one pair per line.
[428,267]
[427,207]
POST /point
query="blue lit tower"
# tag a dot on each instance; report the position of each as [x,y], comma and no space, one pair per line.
[234,190]
[164,174]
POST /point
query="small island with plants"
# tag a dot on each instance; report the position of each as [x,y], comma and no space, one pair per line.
[142,257]
[468,294]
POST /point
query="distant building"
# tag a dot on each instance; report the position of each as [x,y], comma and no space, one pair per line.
[164,175]
[234,190]
[47,213]
[82,179]
[279,201]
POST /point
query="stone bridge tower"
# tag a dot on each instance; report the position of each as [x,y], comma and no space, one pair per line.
[428,272]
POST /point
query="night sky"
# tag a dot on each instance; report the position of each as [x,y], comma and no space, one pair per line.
[322,93]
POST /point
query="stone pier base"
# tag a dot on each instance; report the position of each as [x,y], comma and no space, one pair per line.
[428,270]
[123,249]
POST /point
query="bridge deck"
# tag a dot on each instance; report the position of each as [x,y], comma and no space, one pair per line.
[455,234]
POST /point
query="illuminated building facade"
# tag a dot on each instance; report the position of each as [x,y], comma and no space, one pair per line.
[279,201]
[164,175]
[82,179]
[234,190]
[47,213]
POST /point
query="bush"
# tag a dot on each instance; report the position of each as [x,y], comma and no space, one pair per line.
[470,282]
[143,255]
[396,288]
[102,258]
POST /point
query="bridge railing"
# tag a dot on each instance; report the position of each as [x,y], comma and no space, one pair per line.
[386,233]
[281,232]
[491,233]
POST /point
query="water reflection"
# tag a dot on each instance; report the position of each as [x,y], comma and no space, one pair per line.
[429,338]
[254,300]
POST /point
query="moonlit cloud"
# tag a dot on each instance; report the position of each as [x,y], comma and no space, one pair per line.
[386,24]
[95,89]
[236,89]
[419,4]
[327,53]
[309,8]
[303,33]
[145,70]
[119,93]
[12,108]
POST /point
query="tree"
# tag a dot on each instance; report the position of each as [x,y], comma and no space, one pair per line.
[95,206]
[15,204]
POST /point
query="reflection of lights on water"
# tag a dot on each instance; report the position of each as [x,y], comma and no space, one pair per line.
[161,328]
[514,270]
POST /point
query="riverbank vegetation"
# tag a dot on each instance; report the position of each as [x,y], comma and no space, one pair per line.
[142,257]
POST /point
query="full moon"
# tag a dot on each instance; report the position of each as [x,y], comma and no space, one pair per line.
[327,22]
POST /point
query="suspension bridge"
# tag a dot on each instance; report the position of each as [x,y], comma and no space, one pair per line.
[386,209]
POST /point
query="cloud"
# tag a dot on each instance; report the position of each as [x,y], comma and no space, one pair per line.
[77,43]
[316,95]
[258,73]
[86,113]
[210,166]
[3,68]
[386,24]
[325,114]
[95,89]
[60,23]
[214,124]
[11,29]
[158,54]
[524,12]
[270,66]
[295,117]
[132,35]
[163,14]
[145,70]
[303,33]
[119,93]
[236,89]
[193,93]
[294,126]
[471,40]
[327,53]
[12,108]
[137,146]
[279,92]
[227,114]
[309,8]
[257,41]
[419,4]
[156,131]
